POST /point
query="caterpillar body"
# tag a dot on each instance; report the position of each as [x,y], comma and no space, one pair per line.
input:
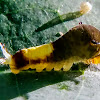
[80,44]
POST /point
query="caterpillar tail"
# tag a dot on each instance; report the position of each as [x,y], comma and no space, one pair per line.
[7,56]
[7,59]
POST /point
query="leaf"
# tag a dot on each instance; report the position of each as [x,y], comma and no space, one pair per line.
[19,20]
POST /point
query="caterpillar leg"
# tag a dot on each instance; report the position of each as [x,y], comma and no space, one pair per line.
[50,66]
[7,56]
[67,66]
[58,66]
[40,67]
[15,71]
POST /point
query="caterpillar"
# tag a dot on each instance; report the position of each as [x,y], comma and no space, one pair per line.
[79,44]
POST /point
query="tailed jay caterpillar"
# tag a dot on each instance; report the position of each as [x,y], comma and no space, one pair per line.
[80,44]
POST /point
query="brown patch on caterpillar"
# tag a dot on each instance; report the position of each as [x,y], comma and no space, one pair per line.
[61,52]
[35,61]
[45,60]
[20,60]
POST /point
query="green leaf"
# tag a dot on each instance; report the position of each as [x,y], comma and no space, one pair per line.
[26,23]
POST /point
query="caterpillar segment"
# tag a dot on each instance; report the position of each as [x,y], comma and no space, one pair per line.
[38,58]
[80,44]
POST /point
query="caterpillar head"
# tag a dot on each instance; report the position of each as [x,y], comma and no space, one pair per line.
[85,41]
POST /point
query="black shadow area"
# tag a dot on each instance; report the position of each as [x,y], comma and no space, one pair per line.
[12,85]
